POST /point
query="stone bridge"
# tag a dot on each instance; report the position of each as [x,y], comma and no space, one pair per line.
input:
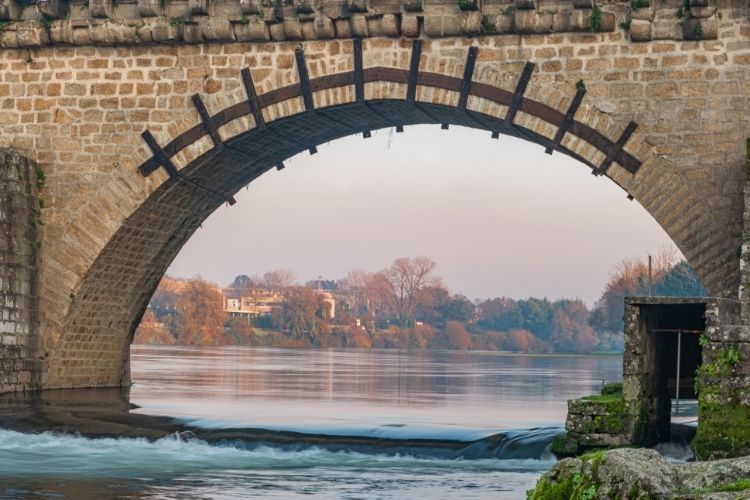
[126,124]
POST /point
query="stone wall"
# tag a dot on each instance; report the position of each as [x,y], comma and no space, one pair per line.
[19,237]
[35,23]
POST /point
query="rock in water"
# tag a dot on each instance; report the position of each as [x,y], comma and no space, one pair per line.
[642,473]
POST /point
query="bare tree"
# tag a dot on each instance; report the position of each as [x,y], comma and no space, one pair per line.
[354,288]
[400,286]
[279,279]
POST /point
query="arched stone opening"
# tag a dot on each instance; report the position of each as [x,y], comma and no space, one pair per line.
[230,140]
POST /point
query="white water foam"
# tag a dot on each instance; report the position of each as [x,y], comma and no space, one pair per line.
[58,455]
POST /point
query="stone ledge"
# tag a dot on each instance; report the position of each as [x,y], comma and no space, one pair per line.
[37,23]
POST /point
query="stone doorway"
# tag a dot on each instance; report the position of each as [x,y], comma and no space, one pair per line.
[656,330]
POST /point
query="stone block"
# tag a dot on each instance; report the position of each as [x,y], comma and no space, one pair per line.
[410,26]
[216,29]
[253,31]
[375,26]
[32,36]
[277,32]
[293,29]
[308,31]
[191,33]
[640,31]
[391,25]
[700,29]
[358,25]
[728,333]
[343,28]
[561,22]
[471,22]
[324,28]
[531,21]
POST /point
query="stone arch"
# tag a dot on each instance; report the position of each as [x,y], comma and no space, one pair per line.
[226,139]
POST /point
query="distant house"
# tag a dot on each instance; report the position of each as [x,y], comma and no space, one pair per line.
[255,302]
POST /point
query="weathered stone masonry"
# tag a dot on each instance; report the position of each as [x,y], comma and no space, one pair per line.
[663,116]
[19,218]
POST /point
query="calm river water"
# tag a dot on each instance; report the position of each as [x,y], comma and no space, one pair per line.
[282,423]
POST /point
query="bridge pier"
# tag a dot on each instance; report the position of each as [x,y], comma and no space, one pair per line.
[20,181]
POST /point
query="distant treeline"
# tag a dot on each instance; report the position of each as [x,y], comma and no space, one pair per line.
[405,306]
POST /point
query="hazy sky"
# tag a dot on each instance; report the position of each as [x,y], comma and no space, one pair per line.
[500,217]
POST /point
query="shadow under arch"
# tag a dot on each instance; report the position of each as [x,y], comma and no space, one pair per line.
[116,289]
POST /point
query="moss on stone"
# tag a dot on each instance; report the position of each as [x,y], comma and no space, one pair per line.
[578,479]
[613,389]
[723,429]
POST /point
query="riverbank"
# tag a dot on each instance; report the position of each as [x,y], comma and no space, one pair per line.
[643,473]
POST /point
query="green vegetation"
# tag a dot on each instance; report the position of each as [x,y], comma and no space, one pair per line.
[596,18]
[465,5]
[724,431]
[487,27]
[625,24]
[739,485]
[580,85]
[698,31]
[638,4]
[583,484]
[176,21]
[722,363]
[613,388]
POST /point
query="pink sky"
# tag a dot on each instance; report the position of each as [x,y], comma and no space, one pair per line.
[500,217]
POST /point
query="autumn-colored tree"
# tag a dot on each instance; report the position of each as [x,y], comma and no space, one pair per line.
[303,316]
[520,340]
[571,331]
[400,284]
[630,277]
[202,318]
[456,336]
[241,331]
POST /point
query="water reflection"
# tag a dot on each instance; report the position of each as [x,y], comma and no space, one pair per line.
[289,388]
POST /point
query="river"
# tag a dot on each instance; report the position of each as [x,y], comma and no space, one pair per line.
[286,423]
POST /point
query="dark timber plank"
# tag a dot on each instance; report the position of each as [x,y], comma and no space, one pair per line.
[416,54]
[252,98]
[614,150]
[515,103]
[359,78]
[159,154]
[471,60]
[574,105]
[304,80]
[208,124]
